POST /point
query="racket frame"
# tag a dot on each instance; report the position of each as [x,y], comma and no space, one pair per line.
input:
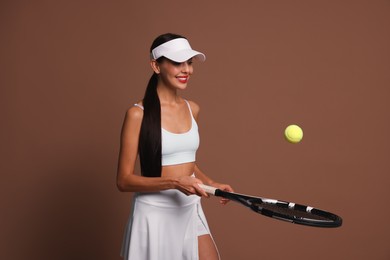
[254,203]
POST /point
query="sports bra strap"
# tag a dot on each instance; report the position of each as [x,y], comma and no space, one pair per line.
[189,107]
[137,105]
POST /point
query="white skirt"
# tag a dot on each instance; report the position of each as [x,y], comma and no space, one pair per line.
[164,225]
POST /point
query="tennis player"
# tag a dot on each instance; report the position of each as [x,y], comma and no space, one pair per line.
[166,221]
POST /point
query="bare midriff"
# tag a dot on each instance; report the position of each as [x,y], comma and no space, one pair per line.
[178,170]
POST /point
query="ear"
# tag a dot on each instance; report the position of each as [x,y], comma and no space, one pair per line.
[155,66]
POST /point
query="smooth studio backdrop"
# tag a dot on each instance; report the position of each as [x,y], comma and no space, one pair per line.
[70,69]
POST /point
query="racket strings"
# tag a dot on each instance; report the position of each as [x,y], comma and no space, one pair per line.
[284,210]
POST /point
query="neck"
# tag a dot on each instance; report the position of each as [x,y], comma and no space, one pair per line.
[167,95]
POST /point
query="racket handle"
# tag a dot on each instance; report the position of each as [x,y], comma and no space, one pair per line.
[208,189]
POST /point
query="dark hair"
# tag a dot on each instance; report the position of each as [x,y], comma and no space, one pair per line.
[150,135]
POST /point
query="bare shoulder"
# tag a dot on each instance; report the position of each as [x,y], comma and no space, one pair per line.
[135,113]
[194,107]
[132,122]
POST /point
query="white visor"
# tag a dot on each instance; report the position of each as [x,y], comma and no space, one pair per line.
[178,50]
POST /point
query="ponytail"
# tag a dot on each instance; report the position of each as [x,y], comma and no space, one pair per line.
[149,147]
[150,135]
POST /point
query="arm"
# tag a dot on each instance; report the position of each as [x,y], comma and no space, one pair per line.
[198,173]
[127,180]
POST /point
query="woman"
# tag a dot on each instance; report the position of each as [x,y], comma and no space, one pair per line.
[167,221]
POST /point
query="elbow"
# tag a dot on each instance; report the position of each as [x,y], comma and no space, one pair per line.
[125,183]
[122,185]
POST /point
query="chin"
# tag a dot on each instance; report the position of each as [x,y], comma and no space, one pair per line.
[181,86]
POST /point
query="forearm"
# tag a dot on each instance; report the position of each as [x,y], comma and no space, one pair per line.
[136,183]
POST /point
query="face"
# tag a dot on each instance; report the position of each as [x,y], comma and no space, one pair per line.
[174,74]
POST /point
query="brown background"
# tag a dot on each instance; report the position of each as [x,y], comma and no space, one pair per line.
[70,69]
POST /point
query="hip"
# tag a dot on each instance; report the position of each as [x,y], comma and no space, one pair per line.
[171,198]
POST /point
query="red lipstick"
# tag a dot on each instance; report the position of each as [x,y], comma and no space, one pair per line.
[182,79]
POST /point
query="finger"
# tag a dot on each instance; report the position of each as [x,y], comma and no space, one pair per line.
[189,191]
[186,192]
[201,191]
[192,190]
[224,201]
[228,188]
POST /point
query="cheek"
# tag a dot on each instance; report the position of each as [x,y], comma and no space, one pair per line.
[173,70]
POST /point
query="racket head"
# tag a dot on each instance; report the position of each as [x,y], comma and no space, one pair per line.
[286,211]
[295,213]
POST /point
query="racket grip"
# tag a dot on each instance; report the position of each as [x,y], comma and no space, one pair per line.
[208,189]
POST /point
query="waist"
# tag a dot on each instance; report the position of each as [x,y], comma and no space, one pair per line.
[178,170]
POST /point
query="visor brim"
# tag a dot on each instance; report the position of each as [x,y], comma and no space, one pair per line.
[184,55]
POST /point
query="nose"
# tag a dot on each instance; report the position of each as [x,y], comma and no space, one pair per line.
[186,68]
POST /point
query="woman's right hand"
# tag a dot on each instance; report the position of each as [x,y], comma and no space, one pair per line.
[189,186]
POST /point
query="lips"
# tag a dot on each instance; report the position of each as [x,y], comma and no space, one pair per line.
[182,79]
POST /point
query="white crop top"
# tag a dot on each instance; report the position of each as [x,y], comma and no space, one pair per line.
[179,148]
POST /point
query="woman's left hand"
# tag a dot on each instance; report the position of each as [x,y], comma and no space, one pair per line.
[224,187]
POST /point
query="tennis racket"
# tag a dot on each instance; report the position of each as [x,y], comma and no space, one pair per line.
[281,210]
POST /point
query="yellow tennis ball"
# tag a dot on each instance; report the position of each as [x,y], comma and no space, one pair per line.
[293,134]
